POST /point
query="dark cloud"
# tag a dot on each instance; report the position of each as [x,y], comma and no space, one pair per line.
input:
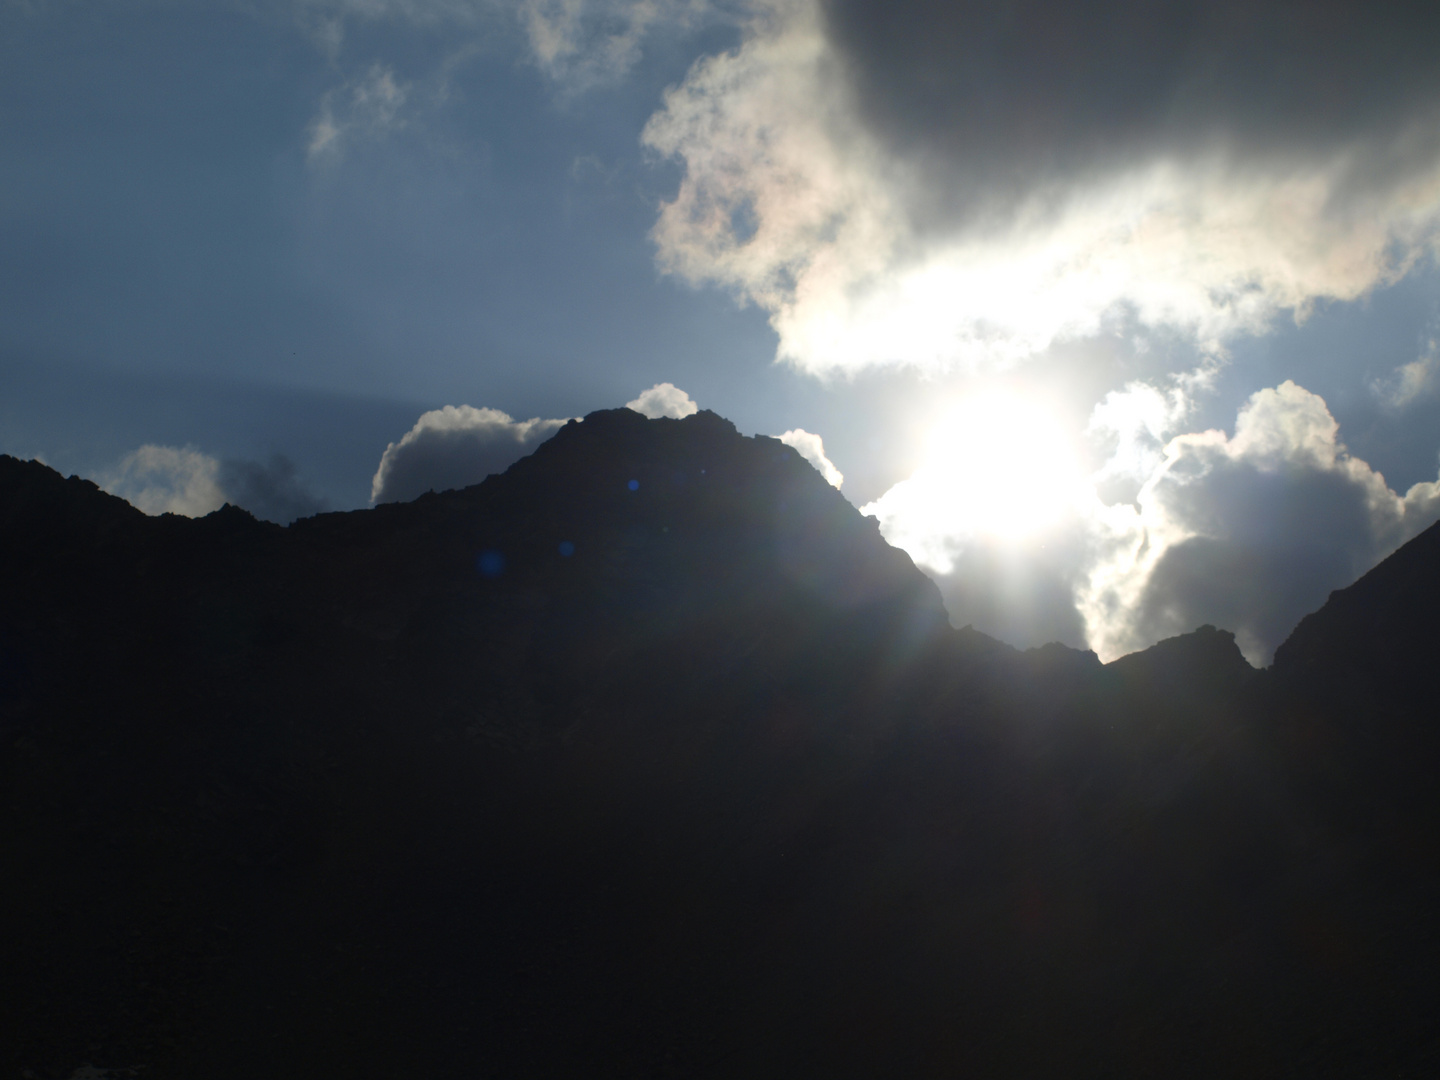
[965,185]
[1026,88]
[1273,546]
[271,490]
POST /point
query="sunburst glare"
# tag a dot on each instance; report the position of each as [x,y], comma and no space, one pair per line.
[996,464]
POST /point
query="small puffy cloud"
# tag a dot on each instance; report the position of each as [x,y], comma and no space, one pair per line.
[455,447]
[812,449]
[664,399]
[167,480]
[183,480]
[1249,531]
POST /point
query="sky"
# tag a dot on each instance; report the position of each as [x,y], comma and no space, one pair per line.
[1121,317]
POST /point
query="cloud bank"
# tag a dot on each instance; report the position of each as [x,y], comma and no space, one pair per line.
[454,447]
[1249,531]
[935,185]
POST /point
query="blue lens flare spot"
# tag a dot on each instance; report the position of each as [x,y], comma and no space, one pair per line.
[491,563]
[634,485]
[567,548]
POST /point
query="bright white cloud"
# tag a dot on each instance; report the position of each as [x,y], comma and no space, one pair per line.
[1248,532]
[664,399]
[812,449]
[788,201]
[1136,422]
[454,447]
[167,480]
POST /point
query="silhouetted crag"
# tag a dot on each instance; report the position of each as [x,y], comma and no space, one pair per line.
[649,757]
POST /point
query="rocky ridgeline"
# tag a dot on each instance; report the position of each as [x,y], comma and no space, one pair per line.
[651,757]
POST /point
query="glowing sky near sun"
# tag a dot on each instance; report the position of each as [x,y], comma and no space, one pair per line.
[1115,332]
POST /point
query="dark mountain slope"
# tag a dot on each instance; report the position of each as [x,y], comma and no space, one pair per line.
[560,776]
[1374,641]
[1359,687]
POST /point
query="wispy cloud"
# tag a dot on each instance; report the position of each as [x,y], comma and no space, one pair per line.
[370,105]
[580,44]
[271,490]
[1410,382]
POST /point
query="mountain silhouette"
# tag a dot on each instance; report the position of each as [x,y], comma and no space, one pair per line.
[650,757]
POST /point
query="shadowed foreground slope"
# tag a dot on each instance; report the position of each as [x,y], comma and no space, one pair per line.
[649,757]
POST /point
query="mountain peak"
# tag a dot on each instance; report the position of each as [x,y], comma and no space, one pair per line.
[654,733]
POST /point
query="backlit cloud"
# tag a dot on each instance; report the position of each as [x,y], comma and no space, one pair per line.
[934,185]
[454,447]
[812,449]
[1248,531]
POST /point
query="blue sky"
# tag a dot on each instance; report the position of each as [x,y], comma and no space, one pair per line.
[267,233]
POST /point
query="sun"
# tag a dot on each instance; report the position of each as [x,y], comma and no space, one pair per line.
[998,463]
